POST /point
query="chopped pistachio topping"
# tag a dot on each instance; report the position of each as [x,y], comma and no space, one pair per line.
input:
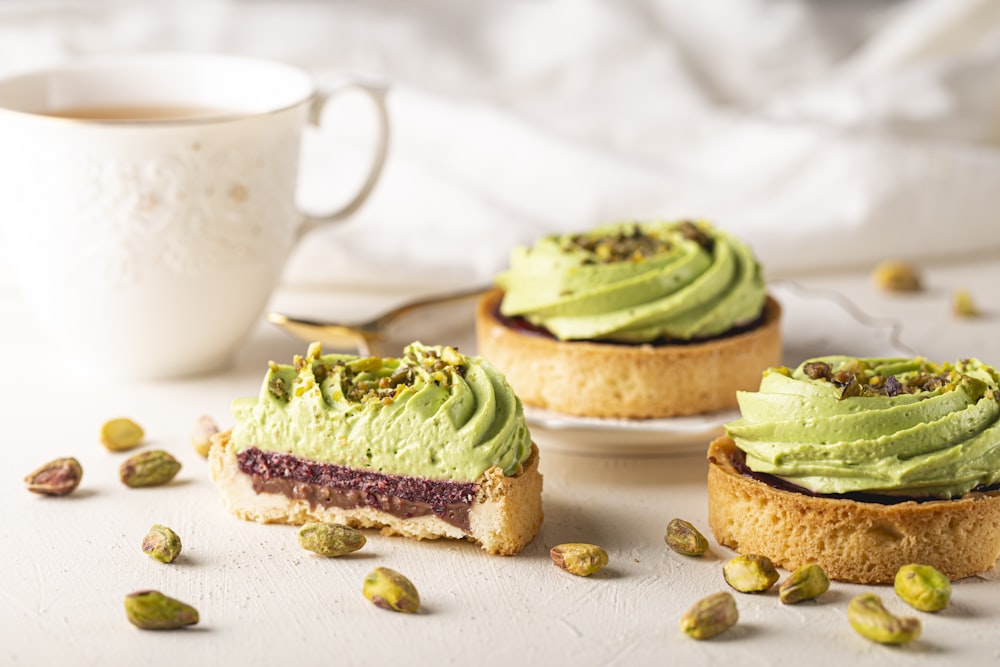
[630,244]
[370,379]
[635,282]
[903,427]
[867,377]
[431,412]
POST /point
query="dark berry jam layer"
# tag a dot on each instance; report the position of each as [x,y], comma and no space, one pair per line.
[328,485]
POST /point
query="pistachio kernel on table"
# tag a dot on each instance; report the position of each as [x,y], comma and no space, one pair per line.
[120,434]
[330,539]
[750,573]
[152,610]
[151,468]
[710,616]
[963,305]
[58,477]
[162,543]
[391,590]
[870,619]
[897,276]
[201,434]
[805,583]
[578,558]
[922,587]
[685,539]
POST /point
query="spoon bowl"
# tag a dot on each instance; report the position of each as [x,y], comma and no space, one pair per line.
[367,335]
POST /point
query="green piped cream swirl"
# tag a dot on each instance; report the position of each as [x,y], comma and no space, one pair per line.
[904,427]
[432,413]
[635,282]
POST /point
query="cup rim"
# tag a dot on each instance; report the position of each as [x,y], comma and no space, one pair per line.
[151,60]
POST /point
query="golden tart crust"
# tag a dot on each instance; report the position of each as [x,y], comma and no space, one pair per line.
[595,379]
[505,516]
[858,542]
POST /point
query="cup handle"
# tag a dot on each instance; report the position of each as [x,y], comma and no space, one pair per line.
[318,105]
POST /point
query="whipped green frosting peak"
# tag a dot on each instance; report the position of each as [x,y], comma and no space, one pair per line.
[904,427]
[635,282]
[431,413]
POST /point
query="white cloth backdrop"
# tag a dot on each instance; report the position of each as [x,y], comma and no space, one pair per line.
[828,133]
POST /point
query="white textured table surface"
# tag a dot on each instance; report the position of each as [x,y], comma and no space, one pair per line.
[67,563]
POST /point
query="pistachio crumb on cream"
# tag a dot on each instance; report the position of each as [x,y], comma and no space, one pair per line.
[904,427]
[433,413]
[635,282]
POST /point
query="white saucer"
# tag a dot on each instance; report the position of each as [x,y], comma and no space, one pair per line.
[814,323]
[625,437]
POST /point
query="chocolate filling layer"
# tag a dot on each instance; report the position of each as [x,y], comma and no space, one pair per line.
[739,460]
[328,485]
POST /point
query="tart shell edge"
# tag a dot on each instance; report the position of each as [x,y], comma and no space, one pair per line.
[609,380]
[504,517]
[857,542]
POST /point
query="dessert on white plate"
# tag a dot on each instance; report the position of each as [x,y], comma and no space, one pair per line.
[635,320]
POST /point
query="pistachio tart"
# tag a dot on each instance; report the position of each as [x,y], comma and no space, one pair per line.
[863,465]
[631,320]
[432,444]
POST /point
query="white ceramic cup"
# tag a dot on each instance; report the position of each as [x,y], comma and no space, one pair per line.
[148,248]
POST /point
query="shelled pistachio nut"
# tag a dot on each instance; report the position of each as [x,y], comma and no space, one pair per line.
[389,589]
[150,468]
[710,616]
[685,539]
[922,587]
[162,543]
[578,558]
[152,610]
[58,477]
[805,583]
[870,619]
[750,573]
[963,305]
[330,539]
[120,434]
[201,434]
[897,276]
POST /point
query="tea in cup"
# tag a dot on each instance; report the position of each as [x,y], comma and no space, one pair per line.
[148,202]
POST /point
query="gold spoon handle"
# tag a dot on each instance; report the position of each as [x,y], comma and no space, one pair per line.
[334,335]
[361,335]
[383,320]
